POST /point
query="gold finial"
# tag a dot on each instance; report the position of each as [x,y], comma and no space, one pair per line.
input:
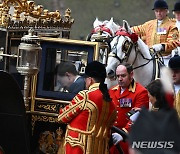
[67,13]
[27,12]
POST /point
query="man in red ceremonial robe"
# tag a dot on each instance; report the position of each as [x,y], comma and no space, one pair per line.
[90,115]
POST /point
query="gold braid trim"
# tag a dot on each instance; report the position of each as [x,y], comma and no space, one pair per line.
[124,129]
[82,131]
[72,107]
[177,103]
[80,141]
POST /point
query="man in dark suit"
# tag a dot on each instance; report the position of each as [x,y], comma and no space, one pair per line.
[69,79]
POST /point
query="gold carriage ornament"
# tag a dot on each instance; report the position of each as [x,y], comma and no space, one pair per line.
[23,14]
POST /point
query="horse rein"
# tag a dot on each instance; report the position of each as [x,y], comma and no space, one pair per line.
[115,53]
[127,50]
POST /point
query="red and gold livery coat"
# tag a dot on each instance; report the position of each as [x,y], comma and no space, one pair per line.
[167,33]
[89,120]
[177,103]
[137,95]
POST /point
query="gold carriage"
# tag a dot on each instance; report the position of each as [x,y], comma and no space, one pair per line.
[43,98]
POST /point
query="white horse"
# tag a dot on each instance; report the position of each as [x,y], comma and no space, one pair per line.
[128,47]
[106,28]
[103,31]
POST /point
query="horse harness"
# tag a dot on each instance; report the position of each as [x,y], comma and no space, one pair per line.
[126,49]
[127,45]
[102,28]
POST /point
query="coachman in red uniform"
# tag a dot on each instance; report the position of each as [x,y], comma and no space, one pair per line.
[127,95]
[90,115]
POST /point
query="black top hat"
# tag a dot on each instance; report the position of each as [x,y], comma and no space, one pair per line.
[160,129]
[160,4]
[95,69]
[176,6]
[174,62]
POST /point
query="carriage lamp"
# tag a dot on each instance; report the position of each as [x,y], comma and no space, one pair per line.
[28,60]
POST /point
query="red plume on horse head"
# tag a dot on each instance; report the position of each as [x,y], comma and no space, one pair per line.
[123,31]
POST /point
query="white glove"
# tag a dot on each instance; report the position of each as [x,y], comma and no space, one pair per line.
[116,138]
[158,47]
[134,116]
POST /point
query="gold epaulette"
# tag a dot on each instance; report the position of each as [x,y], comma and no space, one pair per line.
[115,87]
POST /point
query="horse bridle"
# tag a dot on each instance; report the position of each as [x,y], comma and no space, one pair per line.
[126,48]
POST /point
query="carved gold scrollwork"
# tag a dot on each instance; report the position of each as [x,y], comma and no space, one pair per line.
[42,118]
[36,15]
[47,107]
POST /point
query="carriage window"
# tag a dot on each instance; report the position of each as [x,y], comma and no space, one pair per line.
[54,75]
[56,58]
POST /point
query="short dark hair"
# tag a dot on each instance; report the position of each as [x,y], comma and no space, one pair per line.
[128,67]
[64,67]
[156,89]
